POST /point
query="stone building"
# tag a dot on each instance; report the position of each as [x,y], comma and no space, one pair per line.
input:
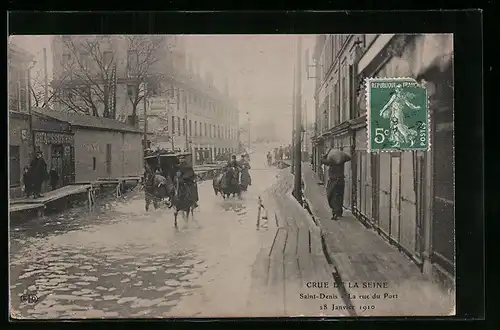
[20,134]
[88,147]
[408,197]
[198,117]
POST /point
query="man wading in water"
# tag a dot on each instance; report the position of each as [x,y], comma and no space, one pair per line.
[336,184]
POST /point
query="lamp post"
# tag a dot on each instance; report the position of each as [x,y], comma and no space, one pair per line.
[145,118]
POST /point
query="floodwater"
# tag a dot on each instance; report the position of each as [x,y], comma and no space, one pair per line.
[123,262]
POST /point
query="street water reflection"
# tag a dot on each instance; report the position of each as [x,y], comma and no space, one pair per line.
[125,262]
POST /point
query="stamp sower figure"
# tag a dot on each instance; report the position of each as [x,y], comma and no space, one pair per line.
[38,169]
[335,186]
[187,176]
[393,109]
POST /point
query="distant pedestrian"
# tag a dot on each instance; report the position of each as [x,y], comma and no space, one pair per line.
[53,178]
[38,173]
[27,183]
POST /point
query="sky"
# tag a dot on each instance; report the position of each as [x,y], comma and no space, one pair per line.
[259,70]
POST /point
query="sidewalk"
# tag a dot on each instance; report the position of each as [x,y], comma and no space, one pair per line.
[363,258]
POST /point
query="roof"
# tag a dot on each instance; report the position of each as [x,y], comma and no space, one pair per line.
[88,121]
[167,154]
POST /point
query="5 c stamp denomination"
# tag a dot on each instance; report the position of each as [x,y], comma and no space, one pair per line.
[398,115]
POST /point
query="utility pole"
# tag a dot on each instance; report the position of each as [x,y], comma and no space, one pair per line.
[249,132]
[32,133]
[46,78]
[186,121]
[298,125]
[145,118]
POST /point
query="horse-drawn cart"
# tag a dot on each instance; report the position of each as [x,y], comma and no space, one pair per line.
[166,161]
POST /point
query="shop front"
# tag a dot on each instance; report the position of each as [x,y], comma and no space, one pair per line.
[439,81]
[58,151]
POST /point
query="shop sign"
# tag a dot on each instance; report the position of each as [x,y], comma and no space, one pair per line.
[53,138]
[91,147]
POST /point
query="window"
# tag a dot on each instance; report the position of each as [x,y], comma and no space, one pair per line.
[351,92]
[85,59]
[132,62]
[179,126]
[14,166]
[195,128]
[178,98]
[201,129]
[66,58]
[131,91]
[107,58]
[345,111]
[173,125]
[336,102]
[206,134]
[108,159]
[184,126]
[190,131]
[94,162]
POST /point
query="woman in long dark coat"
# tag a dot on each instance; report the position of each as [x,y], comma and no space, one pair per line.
[335,186]
[38,173]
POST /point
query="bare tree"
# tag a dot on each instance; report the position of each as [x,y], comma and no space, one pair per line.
[143,81]
[89,70]
[37,91]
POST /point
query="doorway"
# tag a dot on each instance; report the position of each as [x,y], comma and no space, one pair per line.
[56,162]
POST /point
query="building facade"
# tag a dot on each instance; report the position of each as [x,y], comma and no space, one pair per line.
[56,141]
[20,134]
[197,116]
[408,197]
[93,148]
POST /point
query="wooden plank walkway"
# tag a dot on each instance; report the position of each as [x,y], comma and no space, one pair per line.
[53,195]
[25,207]
[382,279]
[281,280]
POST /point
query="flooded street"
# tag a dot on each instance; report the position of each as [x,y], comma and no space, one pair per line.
[126,262]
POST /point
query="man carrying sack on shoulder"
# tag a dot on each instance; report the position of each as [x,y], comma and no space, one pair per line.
[335,160]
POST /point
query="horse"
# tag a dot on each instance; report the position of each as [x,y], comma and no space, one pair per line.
[227,184]
[182,201]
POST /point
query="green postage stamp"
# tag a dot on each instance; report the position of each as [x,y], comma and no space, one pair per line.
[397,115]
